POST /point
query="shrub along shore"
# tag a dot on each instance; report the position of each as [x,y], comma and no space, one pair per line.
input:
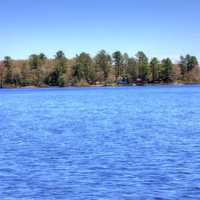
[100,70]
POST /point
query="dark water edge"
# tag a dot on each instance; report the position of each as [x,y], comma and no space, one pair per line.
[100,143]
[96,86]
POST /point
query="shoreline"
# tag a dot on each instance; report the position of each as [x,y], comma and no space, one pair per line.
[99,86]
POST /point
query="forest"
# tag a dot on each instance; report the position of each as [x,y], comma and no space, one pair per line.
[102,69]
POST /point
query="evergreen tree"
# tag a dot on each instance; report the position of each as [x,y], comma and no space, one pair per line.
[132,70]
[103,63]
[1,74]
[85,64]
[155,69]
[118,64]
[8,67]
[143,67]
[187,64]
[167,70]
[57,77]
[78,74]
[36,63]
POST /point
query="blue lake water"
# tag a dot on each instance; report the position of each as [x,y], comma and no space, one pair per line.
[100,143]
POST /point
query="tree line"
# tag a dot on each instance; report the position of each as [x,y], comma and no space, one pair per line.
[102,69]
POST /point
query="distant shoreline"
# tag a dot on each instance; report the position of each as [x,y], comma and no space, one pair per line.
[99,86]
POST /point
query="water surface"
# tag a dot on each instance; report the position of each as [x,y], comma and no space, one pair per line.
[100,143]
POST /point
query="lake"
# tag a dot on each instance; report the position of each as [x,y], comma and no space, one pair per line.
[100,143]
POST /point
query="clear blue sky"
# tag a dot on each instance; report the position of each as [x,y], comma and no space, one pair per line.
[158,27]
